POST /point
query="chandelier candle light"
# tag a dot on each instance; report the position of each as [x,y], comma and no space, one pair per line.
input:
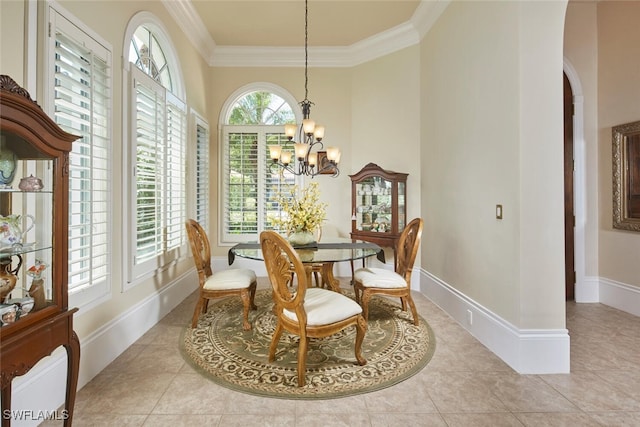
[310,135]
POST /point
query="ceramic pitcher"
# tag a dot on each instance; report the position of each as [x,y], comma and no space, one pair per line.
[11,233]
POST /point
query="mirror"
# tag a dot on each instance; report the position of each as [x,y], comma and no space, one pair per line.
[626,176]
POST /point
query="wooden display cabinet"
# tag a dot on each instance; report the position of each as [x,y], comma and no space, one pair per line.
[33,244]
[378,205]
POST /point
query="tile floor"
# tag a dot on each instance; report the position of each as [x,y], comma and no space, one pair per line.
[463,385]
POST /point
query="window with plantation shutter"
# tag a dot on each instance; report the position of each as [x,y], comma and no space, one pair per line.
[202,173]
[160,122]
[251,188]
[80,83]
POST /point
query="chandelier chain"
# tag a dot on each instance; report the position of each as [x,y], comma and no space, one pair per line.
[306,51]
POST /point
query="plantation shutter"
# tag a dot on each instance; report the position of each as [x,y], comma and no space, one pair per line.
[150,158]
[241,184]
[82,87]
[277,181]
[175,197]
[202,175]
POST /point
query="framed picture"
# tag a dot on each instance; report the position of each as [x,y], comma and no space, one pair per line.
[626,176]
[323,162]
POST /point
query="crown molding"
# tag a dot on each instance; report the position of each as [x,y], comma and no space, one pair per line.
[426,14]
[185,15]
[404,35]
[381,44]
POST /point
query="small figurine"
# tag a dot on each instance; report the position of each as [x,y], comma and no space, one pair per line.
[36,291]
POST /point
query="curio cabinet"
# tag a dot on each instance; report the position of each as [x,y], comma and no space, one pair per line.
[34,193]
[378,203]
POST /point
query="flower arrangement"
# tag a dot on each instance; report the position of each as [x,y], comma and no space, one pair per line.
[304,214]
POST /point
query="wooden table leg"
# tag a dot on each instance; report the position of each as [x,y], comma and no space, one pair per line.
[328,278]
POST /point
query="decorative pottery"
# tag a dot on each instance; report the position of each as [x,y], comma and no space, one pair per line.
[8,314]
[25,305]
[306,255]
[11,233]
[8,162]
[7,279]
[30,183]
[301,238]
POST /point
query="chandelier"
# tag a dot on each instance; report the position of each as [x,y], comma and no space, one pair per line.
[310,158]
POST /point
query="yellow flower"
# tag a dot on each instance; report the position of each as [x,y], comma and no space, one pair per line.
[301,214]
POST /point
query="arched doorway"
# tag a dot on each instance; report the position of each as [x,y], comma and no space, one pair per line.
[569,214]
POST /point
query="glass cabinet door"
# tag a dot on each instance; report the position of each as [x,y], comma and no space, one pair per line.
[26,229]
[402,212]
[373,205]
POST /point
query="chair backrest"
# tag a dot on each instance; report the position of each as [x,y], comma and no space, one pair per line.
[200,249]
[407,249]
[280,259]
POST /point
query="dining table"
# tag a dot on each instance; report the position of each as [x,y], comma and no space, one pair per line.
[325,253]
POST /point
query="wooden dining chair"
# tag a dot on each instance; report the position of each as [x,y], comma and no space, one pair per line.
[303,311]
[218,284]
[370,281]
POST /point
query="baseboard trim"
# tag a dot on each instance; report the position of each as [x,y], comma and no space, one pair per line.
[620,296]
[527,351]
[43,388]
[587,290]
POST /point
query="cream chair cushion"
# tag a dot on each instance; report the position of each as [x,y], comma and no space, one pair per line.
[236,278]
[324,307]
[372,277]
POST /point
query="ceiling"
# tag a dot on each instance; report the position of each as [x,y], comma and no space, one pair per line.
[281,23]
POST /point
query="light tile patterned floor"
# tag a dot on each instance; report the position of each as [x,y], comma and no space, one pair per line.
[463,385]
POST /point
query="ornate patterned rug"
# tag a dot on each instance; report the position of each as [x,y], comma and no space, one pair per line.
[220,350]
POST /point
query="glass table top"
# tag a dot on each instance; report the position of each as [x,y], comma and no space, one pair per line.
[329,250]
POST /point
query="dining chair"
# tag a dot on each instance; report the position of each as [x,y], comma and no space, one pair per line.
[218,284]
[370,281]
[305,311]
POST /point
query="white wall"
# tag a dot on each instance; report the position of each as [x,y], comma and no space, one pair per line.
[492,134]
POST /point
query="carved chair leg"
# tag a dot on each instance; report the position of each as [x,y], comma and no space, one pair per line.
[414,312]
[252,290]
[196,312]
[244,295]
[302,359]
[361,329]
[366,296]
[356,292]
[274,342]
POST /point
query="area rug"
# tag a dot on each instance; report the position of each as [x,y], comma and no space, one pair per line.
[220,350]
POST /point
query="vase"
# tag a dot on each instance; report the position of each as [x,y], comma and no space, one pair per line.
[11,233]
[8,162]
[7,279]
[301,238]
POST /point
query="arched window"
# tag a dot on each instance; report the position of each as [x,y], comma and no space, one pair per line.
[253,119]
[157,119]
[146,53]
